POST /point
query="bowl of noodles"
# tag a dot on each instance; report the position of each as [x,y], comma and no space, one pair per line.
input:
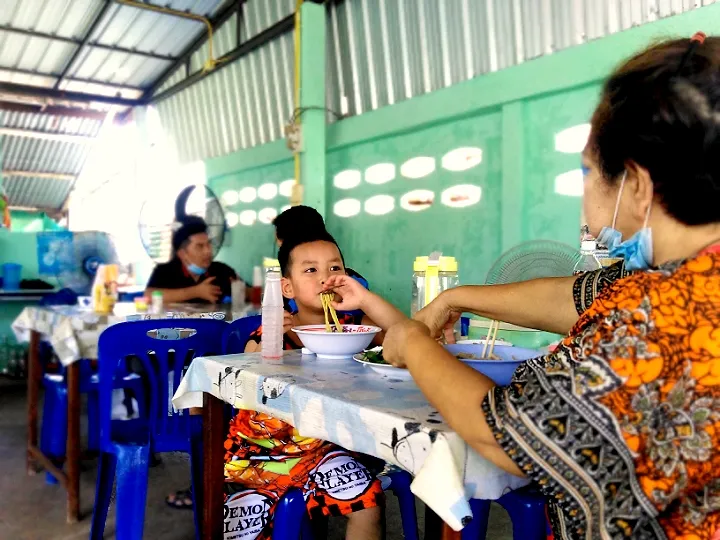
[333,339]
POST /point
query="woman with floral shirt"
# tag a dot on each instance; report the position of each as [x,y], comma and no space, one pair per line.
[620,426]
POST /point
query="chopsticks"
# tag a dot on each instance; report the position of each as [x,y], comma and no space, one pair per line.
[490,340]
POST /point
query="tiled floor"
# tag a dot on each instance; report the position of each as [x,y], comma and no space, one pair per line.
[30,509]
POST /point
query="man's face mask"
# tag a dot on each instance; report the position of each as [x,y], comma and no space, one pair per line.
[636,250]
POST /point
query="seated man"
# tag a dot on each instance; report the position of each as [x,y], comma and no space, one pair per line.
[269,456]
[192,275]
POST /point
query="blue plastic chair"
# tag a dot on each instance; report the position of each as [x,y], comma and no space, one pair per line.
[526,507]
[287,524]
[238,332]
[161,362]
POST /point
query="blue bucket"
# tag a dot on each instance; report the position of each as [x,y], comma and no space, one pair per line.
[11,276]
[500,371]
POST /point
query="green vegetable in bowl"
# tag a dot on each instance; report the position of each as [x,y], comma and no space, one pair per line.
[374,357]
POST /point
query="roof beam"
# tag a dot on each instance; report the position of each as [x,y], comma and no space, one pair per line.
[34,73]
[267,35]
[226,11]
[63,95]
[46,136]
[52,110]
[86,38]
[39,174]
[73,41]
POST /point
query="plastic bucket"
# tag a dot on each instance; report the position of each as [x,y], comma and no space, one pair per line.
[11,276]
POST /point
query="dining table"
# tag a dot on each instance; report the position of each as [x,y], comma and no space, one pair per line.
[381,413]
[73,332]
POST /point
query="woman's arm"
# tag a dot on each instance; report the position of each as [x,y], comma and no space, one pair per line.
[550,304]
[543,304]
[451,386]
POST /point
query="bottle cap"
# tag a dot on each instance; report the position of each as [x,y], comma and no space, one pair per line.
[157,294]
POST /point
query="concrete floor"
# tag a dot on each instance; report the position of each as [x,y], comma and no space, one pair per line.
[30,509]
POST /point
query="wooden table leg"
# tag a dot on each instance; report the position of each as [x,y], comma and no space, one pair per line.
[33,387]
[436,528]
[449,534]
[73,443]
[213,518]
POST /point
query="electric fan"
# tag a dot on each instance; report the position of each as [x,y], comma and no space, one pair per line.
[73,257]
[158,220]
[532,260]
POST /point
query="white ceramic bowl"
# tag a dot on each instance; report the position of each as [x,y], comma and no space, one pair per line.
[354,339]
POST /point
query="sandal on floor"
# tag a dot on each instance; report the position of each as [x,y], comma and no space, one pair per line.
[181,500]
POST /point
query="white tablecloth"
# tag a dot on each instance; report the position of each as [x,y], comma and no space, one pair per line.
[348,404]
[73,331]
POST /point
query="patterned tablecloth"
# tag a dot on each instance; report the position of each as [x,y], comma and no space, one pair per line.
[73,331]
[346,403]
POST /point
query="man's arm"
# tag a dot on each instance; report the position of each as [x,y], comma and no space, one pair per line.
[175,296]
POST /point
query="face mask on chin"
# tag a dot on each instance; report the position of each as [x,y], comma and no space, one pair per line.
[195,269]
[637,251]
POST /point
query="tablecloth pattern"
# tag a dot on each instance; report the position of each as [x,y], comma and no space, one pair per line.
[348,404]
[73,332]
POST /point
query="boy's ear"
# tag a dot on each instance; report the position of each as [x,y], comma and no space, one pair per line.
[287,288]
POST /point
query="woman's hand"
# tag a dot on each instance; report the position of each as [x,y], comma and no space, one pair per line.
[439,317]
[350,295]
[396,339]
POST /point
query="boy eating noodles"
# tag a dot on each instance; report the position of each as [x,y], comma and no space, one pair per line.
[265,457]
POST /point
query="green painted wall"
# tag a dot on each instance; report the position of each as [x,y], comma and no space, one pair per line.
[512,115]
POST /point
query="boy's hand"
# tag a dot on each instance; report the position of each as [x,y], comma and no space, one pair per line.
[351,294]
[288,321]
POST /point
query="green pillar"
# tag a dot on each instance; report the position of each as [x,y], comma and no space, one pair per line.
[312,105]
[513,150]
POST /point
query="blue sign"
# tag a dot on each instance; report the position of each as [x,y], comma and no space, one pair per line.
[55,252]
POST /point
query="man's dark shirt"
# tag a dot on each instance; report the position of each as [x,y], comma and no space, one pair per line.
[174,275]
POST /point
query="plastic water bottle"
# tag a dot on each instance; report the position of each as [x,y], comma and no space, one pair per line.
[587,262]
[272,317]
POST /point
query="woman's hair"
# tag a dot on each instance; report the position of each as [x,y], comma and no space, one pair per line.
[661,110]
[298,239]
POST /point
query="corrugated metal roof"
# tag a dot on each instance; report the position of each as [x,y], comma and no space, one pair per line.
[46,156]
[251,100]
[381,52]
[122,26]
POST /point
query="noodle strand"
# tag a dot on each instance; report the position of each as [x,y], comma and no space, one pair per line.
[326,299]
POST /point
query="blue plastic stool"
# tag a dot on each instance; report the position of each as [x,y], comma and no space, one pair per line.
[125,450]
[526,507]
[53,432]
[291,521]
[53,435]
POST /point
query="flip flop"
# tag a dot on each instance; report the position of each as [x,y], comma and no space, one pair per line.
[180,500]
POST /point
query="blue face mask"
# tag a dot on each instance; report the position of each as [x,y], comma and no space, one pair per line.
[195,269]
[636,250]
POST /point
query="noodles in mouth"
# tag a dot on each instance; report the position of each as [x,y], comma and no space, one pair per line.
[327,299]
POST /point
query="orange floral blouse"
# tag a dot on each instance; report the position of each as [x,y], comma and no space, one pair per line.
[620,426]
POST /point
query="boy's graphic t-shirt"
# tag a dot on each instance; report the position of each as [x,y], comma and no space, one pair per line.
[265,457]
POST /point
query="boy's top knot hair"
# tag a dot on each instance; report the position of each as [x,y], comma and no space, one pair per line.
[301,217]
[299,238]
